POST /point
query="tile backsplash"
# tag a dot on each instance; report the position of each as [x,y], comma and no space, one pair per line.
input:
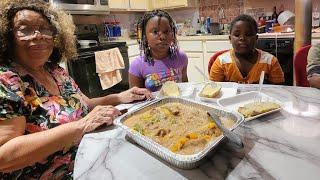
[223,11]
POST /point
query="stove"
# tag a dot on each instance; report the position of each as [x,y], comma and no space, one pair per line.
[83,69]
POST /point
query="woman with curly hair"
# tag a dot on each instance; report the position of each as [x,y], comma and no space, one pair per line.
[43,113]
[161,60]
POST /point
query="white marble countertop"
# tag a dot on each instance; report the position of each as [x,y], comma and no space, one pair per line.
[282,145]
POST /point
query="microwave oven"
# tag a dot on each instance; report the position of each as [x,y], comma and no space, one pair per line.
[82,6]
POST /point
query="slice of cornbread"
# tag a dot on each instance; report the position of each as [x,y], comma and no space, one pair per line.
[170,88]
[256,108]
[210,90]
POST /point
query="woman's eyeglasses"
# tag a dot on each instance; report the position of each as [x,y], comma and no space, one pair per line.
[29,31]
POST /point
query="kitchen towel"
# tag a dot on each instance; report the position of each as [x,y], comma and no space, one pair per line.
[108,65]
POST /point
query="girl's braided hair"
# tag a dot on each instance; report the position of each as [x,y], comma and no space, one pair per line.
[144,46]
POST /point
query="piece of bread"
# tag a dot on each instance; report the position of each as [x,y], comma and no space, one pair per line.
[170,88]
[256,108]
[210,90]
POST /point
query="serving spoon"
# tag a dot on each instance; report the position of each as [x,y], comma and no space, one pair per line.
[233,137]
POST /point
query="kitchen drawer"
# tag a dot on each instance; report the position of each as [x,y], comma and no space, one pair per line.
[191,46]
[214,46]
[133,50]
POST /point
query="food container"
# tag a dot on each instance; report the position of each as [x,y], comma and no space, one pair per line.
[178,160]
[233,103]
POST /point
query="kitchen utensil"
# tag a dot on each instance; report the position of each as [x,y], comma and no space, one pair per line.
[258,97]
[202,73]
[233,137]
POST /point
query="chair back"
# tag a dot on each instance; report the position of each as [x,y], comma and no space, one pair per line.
[214,57]
[300,64]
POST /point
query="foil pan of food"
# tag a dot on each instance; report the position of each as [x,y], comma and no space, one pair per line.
[177,130]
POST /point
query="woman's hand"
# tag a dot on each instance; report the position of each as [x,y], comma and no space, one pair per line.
[134,94]
[98,116]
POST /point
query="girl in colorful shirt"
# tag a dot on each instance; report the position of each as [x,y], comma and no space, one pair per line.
[244,63]
[161,59]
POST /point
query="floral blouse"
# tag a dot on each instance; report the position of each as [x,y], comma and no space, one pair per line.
[21,95]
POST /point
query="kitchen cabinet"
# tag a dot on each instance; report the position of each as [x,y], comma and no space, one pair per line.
[159,4]
[177,3]
[139,4]
[211,47]
[133,51]
[194,52]
[199,53]
[170,4]
[131,5]
[195,60]
[119,4]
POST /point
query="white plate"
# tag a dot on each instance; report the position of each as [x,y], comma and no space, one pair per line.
[186,90]
[233,103]
[227,90]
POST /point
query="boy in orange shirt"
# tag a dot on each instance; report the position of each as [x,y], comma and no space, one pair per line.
[244,63]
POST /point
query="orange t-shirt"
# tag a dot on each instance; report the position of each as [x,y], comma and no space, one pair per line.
[225,68]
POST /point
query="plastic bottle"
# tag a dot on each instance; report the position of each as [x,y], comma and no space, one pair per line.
[274,14]
[198,27]
[108,29]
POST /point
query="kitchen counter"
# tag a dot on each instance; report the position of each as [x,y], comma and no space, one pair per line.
[226,37]
[222,37]
[282,145]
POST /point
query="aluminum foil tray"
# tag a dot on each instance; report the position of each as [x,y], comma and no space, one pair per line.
[178,160]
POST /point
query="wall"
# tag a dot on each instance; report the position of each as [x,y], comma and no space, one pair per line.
[181,15]
[233,8]
[129,20]
[228,9]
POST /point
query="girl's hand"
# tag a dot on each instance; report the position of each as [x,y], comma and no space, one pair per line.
[98,116]
[134,94]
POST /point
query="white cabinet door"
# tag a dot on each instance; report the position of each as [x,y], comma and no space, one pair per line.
[215,46]
[191,46]
[133,50]
[119,4]
[177,3]
[139,5]
[157,4]
[195,59]
[211,48]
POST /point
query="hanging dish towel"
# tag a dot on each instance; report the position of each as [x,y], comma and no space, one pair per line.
[108,65]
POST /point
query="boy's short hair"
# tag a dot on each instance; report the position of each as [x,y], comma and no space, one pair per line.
[245,18]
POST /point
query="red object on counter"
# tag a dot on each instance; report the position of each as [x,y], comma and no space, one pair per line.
[300,64]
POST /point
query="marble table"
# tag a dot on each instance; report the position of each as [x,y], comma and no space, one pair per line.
[282,145]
